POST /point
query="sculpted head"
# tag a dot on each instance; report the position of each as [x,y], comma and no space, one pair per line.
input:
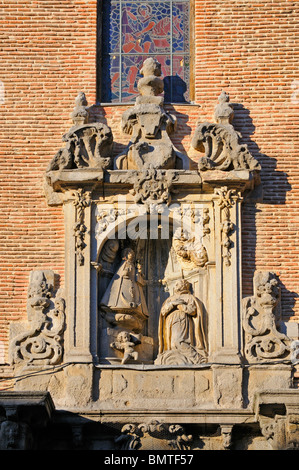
[128,254]
[151,67]
[182,287]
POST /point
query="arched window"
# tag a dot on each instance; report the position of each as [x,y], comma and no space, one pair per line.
[135,30]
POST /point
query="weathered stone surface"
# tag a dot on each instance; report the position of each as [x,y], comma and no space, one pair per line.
[154,348]
[40,341]
[181,333]
[87,145]
[150,126]
[25,413]
[220,142]
[263,340]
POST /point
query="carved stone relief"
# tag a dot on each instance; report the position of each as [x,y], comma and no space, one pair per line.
[227,198]
[153,187]
[181,332]
[170,437]
[123,305]
[220,142]
[263,340]
[41,339]
[136,276]
[153,305]
[190,252]
[82,199]
[150,126]
[87,145]
[15,436]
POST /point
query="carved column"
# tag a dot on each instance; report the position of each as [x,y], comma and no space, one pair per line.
[225,339]
[77,276]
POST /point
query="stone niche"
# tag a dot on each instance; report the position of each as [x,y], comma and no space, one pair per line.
[151,324]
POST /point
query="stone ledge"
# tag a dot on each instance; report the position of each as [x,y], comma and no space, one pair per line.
[287,397]
[203,416]
[34,407]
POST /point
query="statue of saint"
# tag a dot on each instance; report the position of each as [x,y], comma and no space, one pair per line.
[124,295]
[181,334]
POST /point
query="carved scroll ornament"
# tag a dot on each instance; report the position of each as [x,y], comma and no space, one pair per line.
[42,341]
[87,145]
[174,436]
[220,142]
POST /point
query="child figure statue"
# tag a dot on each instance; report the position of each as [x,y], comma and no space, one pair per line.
[126,342]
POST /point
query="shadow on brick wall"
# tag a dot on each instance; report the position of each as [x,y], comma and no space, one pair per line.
[272,191]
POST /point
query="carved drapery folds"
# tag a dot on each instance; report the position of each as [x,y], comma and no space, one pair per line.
[220,142]
[123,305]
[181,332]
[263,340]
[41,341]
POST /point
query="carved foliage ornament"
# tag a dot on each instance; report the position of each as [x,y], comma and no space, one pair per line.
[227,198]
[82,199]
[174,435]
[263,341]
[42,341]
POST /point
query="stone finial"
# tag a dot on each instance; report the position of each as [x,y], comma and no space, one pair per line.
[224,112]
[80,114]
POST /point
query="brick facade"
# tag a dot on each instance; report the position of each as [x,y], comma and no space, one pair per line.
[49,52]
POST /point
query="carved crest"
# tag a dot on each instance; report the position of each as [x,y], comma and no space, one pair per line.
[152,187]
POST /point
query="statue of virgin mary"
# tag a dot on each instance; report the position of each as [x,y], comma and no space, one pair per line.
[124,303]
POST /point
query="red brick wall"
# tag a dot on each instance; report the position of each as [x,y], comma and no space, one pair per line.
[48,55]
[250,49]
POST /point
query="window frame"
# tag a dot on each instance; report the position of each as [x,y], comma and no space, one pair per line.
[99,66]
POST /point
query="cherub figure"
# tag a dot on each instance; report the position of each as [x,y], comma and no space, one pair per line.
[126,343]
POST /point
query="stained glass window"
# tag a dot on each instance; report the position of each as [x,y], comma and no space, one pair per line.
[133,31]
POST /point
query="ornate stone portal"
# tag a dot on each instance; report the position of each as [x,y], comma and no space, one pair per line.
[151,322]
